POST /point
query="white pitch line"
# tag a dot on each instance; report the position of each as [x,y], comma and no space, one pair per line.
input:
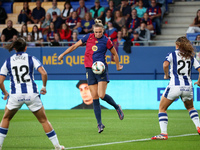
[138,140]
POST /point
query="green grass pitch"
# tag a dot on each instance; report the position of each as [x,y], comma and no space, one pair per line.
[78,128]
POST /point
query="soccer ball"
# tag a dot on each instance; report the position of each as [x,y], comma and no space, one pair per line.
[98,67]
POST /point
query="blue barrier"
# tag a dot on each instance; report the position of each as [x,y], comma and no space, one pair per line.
[192,36]
[144,63]
[130,94]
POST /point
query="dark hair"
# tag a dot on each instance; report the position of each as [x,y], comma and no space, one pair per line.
[70,7]
[196,20]
[19,45]
[27,7]
[185,47]
[81,82]
[22,30]
[33,34]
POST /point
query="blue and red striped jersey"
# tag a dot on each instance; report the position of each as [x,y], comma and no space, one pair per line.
[96,49]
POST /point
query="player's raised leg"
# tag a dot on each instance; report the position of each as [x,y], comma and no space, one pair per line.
[163,119]
[8,115]
[102,94]
[193,114]
[41,116]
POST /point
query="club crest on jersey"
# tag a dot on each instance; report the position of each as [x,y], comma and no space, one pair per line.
[96,41]
[94,48]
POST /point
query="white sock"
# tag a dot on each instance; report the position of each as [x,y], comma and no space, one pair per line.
[195,117]
[163,121]
[53,138]
[3,133]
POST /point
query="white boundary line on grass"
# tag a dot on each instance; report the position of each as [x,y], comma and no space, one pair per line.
[138,140]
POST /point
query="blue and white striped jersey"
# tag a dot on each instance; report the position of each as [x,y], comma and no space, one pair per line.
[20,68]
[180,69]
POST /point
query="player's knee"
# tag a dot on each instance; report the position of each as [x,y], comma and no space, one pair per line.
[101,96]
[43,120]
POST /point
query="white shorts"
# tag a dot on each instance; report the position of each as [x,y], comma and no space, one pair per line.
[32,101]
[173,92]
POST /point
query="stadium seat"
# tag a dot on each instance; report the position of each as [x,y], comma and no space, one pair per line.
[18,27]
[13,17]
[8,6]
[17,7]
[30,27]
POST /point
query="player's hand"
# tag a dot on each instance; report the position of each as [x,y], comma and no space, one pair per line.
[6,96]
[119,68]
[166,77]
[60,57]
[197,83]
[43,91]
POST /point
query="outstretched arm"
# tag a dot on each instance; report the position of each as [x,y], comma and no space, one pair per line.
[116,57]
[70,49]
[166,69]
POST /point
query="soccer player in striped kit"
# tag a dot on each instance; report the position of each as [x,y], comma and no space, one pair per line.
[96,47]
[20,68]
[180,62]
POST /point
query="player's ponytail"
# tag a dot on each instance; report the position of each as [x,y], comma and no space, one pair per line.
[98,23]
[185,47]
[19,45]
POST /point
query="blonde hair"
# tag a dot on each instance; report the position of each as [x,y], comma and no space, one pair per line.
[98,23]
[185,47]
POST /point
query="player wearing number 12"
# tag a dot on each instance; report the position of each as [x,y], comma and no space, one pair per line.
[180,85]
[24,90]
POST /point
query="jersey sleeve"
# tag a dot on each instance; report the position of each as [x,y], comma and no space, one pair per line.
[168,57]
[36,63]
[195,63]
[4,70]
[109,44]
[85,38]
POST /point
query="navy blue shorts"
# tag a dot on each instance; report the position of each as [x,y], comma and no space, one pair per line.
[95,78]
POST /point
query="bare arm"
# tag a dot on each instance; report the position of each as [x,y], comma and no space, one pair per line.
[198,82]
[166,69]
[70,49]
[116,57]
[43,73]
[2,87]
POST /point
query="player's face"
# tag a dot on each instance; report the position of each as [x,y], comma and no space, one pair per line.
[98,32]
[85,94]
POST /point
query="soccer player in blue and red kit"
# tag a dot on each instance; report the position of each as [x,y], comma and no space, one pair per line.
[96,47]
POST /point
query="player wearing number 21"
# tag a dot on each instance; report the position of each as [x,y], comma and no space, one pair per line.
[96,47]
[24,90]
[180,85]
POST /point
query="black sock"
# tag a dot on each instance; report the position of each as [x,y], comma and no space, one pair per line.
[97,110]
[110,101]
